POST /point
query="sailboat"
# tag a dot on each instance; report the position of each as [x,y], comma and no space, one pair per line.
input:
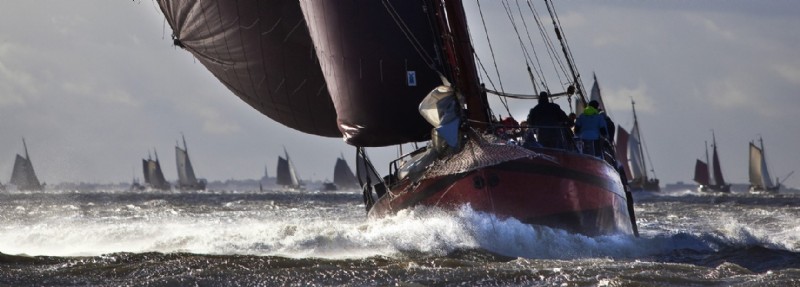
[391,72]
[710,177]
[630,152]
[23,176]
[343,176]
[760,180]
[286,174]
[153,176]
[186,177]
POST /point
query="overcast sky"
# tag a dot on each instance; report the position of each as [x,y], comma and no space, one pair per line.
[93,86]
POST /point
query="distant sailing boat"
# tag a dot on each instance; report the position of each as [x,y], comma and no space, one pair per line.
[153,176]
[286,175]
[186,177]
[23,175]
[759,174]
[710,179]
[630,150]
[343,176]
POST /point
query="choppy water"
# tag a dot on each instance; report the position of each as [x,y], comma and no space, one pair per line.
[251,238]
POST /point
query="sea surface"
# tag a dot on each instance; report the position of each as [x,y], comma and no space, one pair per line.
[315,238]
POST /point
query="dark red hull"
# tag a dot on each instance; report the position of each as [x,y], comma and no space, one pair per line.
[574,192]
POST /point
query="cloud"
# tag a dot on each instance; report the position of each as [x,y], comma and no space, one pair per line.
[620,99]
[90,91]
[15,84]
[788,72]
[212,120]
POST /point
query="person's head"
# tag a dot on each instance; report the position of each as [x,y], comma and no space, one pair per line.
[573,116]
[543,97]
[594,104]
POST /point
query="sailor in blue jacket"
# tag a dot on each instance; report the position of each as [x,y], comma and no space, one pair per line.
[590,127]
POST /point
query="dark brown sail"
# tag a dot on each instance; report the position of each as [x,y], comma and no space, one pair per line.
[262,52]
[375,76]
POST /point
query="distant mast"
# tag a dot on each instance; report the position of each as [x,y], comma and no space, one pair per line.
[638,136]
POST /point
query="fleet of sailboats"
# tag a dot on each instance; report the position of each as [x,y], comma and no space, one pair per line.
[710,177]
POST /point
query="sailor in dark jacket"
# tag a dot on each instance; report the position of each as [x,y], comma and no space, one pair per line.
[550,122]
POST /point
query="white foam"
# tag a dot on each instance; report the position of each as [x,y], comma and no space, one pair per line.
[336,234]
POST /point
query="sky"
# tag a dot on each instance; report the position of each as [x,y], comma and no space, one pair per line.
[94,86]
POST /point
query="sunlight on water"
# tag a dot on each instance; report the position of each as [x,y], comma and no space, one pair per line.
[271,227]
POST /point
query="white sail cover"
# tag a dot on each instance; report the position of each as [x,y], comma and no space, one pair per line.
[635,156]
[759,175]
[185,171]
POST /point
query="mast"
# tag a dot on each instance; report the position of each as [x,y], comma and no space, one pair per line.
[718,179]
[186,149]
[766,177]
[639,140]
[462,63]
[26,150]
[567,54]
[708,164]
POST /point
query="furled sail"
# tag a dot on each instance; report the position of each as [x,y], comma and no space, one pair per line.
[375,76]
[622,150]
[343,176]
[23,175]
[261,51]
[701,173]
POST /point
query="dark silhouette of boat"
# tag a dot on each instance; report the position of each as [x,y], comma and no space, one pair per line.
[23,176]
[710,178]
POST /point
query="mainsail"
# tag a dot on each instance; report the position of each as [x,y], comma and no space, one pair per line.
[623,137]
[23,175]
[153,176]
[286,174]
[701,173]
[760,179]
[717,178]
[186,177]
[262,52]
[638,168]
[343,177]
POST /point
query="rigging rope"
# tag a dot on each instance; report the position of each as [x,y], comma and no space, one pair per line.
[527,55]
[409,35]
[494,59]
[551,52]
